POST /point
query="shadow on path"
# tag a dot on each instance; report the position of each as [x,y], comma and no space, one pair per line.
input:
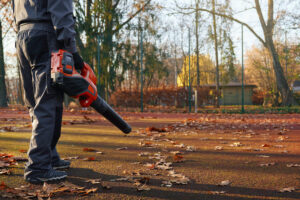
[186,192]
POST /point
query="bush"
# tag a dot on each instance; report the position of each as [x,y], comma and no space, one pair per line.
[163,96]
[258,97]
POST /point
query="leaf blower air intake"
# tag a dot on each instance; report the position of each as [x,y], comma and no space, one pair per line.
[82,86]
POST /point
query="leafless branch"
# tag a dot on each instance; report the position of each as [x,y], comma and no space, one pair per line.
[132,16]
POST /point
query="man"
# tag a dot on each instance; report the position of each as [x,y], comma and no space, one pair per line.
[43,26]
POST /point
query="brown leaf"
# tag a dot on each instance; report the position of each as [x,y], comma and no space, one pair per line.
[289,189]
[88,191]
[20,159]
[166,184]
[150,165]
[218,192]
[293,165]
[143,188]
[94,181]
[5,172]
[3,164]
[266,145]
[88,119]
[176,152]
[71,158]
[2,186]
[89,150]
[142,181]
[106,187]
[178,158]
[267,164]
[89,159]
[23,151]
[122,148]
[224,183]
[144,154]
[181,181]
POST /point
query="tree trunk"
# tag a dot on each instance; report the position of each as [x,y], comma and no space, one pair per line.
[3,95]
[282,85]
[217,57]
[107,45]
[197,43]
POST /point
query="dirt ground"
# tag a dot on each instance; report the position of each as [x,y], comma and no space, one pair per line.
[167,156]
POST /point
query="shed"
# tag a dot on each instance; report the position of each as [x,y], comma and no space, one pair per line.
[231,93]
[296,86]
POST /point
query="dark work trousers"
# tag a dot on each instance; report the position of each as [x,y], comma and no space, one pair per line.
[35,42]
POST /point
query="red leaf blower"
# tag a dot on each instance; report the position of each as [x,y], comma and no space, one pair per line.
[82,86]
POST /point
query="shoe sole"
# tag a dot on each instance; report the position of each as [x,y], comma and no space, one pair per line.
[41,180]
[61,167]
[52,179]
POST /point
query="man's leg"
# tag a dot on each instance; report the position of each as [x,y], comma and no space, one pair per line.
[34,46]
[56,135]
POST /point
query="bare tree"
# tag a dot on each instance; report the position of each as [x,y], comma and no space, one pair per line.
[268,30]
[3,95]
[216,56]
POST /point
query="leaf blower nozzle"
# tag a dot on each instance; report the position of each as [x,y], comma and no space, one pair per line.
[104,109]
[82,86]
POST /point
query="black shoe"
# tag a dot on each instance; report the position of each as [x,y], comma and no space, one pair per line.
[61,164]
[51,175]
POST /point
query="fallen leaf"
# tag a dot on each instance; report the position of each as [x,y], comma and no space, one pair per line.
[236,144]
[190,148]
[88,119]
[71,158]
[2,186]
[218,192]
[180,145]
[166,184]
[266,145]
[122,148]
[88,191]
[89,150]
[93,181]
[3,164]
[293,165]
[224,183]
[20,159]
[143,188]
[263,156]
[89,159]
[144,154]
[181,181]
[176,152]
[106,187]
[5,172]
[141,181]
[150,165]
[267,164]
[23,151]
[289,189]
[178,158]
[120,179]
[218,148]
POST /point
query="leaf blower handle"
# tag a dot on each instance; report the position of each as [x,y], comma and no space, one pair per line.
[82,86]
[104,109]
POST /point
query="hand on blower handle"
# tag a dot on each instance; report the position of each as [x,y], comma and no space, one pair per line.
[82,85]
[78,61]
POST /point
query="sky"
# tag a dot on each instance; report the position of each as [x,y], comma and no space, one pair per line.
[174,22]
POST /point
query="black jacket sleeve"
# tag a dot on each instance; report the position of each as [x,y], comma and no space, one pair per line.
[61,12]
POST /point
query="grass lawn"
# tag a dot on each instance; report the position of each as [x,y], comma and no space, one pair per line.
[258,155]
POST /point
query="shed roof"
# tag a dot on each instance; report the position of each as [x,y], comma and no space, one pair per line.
[230,84]
[296,83]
